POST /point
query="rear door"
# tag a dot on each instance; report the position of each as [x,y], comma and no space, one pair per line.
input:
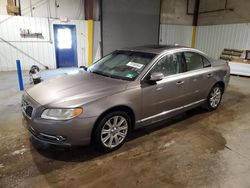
[200,76]
[164,97]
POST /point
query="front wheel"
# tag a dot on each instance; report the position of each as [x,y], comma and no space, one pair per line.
[214,97]
[112,131]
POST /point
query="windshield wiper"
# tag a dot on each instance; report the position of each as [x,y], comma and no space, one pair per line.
[100,73]
[110,75]
[116,77]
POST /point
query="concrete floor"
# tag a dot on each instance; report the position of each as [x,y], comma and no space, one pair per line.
[195,149]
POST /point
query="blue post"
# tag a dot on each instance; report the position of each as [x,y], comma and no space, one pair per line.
[19,73]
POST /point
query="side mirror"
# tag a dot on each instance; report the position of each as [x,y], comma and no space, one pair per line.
[156,76]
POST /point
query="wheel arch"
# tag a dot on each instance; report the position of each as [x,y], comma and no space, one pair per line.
[123,108]
[222,84]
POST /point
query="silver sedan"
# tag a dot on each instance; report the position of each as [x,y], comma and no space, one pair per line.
[123,91]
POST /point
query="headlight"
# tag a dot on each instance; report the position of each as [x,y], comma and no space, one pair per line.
[61,114]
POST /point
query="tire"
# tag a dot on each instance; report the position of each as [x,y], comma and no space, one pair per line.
[112,131]
[36,81]
[214,97]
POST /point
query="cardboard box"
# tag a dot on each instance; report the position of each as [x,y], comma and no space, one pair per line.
[12,9]
[10,2]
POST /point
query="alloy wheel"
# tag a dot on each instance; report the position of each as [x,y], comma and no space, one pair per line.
[215,97]
[114,131]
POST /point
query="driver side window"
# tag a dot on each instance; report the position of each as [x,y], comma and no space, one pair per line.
[168,65]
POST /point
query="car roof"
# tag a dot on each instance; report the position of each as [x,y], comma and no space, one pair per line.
[155,49]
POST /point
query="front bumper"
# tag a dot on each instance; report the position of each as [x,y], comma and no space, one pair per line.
[71,132]
[76,131]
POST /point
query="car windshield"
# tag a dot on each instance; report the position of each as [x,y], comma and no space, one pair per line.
[124,65]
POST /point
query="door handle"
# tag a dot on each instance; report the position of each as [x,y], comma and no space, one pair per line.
[179,83]
[159,88]
[209,75]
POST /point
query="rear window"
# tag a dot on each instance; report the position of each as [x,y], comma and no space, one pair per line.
[195,61]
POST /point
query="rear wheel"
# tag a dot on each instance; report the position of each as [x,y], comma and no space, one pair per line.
[214,97]
[112,131]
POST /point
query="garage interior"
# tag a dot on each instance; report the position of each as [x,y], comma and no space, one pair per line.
[194,149]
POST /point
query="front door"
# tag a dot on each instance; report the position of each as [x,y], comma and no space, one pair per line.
[164,97]
[65,45]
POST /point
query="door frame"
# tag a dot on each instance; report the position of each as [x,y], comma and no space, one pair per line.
[74,42]
[160,87]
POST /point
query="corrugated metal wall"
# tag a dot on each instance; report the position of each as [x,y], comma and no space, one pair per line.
[211,39]
[42,50]
[97,41]
[176,34]
[214,38]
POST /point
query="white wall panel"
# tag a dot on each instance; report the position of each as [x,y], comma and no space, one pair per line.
[176,34]
[42,50]
[214,38]
[97,40]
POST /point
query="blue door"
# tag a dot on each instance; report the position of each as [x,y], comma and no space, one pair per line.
[65,45]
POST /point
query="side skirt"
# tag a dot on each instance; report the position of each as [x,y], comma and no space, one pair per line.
[166,114]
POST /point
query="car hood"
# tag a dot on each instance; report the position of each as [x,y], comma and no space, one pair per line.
[75,90]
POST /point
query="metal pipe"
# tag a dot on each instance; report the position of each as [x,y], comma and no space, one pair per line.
[209,11]
[31,11]
[159,23]
[195,21]
[88,9]
[196,12]
[50,38]
[48,1]
[101,22]
[217,10]
[19,7]
[56,7]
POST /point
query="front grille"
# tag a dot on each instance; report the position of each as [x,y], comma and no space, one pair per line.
[27,108]
[32,131]
[29,111]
